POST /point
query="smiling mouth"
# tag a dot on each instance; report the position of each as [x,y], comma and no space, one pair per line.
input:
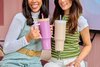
[35,5]
[64,4]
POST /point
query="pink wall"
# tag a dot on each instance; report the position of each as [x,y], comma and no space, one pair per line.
[93,58]
[10,9]
[1,12]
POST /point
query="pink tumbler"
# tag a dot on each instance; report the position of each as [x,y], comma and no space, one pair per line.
[45,33]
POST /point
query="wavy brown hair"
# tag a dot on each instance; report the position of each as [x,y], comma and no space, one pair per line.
[27,11]
[74,13]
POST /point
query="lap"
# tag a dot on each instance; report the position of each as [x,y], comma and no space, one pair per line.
[51,64]
[17,63]
[23,65]
[61,63]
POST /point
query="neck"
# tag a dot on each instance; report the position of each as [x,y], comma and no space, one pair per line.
[35,15]
[66,12]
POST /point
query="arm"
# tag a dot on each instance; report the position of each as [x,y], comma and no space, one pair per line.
[12,43]
[86,49]
[87,44]
[84,31]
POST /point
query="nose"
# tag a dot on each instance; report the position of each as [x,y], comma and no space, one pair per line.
[62,0]
[34,0]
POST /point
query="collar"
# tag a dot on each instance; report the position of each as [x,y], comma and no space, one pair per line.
[35,15]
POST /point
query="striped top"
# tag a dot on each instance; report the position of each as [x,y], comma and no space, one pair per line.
[71,46]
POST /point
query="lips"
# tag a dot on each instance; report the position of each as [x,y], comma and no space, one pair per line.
[35,5]
[64,4]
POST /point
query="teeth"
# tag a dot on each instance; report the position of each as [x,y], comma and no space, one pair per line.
[35,5]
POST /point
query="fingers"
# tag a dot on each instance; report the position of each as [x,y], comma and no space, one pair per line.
[35,32]
[70,64]
[51,28]
[37,36]
[73,64]
[77,64]
[34,28]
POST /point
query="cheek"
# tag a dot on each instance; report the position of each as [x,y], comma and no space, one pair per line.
[29,1]
[70,5]
[59,2]
[41,3]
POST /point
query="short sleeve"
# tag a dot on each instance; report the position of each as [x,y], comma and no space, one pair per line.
[82,23]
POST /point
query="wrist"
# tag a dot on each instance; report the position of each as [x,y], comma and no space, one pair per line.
[78,60]
[28,38]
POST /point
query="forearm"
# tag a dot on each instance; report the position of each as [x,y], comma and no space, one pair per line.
[14,45]
[87,44]
[84,52]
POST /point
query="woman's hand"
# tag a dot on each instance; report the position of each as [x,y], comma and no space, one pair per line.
[74,64]
[51,28]
[33,34]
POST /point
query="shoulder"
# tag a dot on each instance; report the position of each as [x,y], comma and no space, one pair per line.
[20,16]
[18,20]
[82,23]
[82,19]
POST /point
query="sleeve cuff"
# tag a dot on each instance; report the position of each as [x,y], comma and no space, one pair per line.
[25,40]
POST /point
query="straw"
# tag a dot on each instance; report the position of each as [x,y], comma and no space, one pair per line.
[60,17]
[36,23]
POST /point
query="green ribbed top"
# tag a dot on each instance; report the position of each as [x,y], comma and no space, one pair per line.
[71,46]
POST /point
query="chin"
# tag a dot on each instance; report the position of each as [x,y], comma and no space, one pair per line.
[35,10]
[65,8]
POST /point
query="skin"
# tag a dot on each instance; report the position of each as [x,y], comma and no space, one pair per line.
[34,33]
[35,5]
[65,5]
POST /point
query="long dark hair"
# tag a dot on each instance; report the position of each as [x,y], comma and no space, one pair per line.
[74,13]
[27,11]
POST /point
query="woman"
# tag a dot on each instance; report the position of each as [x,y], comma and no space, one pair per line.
[71,11]
[22,45]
